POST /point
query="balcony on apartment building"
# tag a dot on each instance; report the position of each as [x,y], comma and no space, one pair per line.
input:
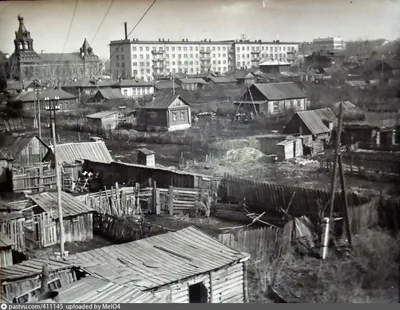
[158,52]
[157,66]
[205,58]
[205,52]
[205,65]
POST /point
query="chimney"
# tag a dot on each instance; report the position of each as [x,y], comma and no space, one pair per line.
[126,30]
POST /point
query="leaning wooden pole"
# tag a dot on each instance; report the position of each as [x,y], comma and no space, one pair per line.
[344,197]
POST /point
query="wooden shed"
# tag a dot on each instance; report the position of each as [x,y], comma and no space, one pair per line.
[290,148]
[104,119]
[6,257]
[20,283]
[188,265]
[77,216]
[12,225]
[146,157]
[268,143]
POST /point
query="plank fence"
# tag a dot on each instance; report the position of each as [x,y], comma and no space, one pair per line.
[263,244]
[270,197]
[15,230]
[47,229]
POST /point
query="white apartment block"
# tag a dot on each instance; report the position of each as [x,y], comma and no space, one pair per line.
[149,60]
[328,44]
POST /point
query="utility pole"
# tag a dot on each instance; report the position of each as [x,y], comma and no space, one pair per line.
[39,113]
[57,168]
[173,84]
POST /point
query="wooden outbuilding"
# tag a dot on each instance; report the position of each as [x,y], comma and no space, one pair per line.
[77,216]
[188,265]
[6,257]
[104,119]
[290,148]
[146,157]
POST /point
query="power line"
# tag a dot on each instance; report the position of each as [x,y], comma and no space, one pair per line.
[104,18]
[69,29]
[143,16]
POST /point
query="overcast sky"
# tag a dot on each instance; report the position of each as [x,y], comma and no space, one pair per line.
[291,20]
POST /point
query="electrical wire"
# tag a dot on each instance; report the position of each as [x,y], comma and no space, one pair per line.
[69,29]
[104,18]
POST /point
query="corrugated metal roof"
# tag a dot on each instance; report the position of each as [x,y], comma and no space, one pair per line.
[280,91]
[102,114]
[70,205]
[163,101]
[146,151]
[31,96]
[95,290]
[110,93]
[5,241]
[31,268]
[221,79]
[159,260]
[133,83]
[274,62]
[313,122]
[69,153]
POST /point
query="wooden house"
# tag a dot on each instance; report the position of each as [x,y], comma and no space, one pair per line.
[77,219]
[134,88]
[317,123]
[166,112]
[6,257]
[221,80]
[25,101]
[107,94]
[104,119]
[192,83]
[273,98]
[243,77]
[188,265]
[166,85]
[274,66]
[146,157]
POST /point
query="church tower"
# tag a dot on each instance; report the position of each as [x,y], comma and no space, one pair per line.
[24,61]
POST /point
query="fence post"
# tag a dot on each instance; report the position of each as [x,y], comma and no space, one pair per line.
[158,202]
[171,200]
[154,198]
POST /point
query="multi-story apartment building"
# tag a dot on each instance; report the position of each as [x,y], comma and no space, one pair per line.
[153,59]
[328,44]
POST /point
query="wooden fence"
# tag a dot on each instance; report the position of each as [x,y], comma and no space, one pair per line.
[382,147]
[47,229]
[263,244]
[273,198]
[175,200]
[14,229]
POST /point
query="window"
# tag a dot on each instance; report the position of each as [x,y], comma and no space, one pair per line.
[142,64]
[122,57]
[196,49]
[148,71]
[174,116]
[213,48]
[238,64]
[184,55]
[134,72]
[141,48]
[224,62]
[173,48]
[248,48]
[179,49]
[122,49]
[134,64]
[179,55]
[238,49]
[117,58]
[185,49]
[291,103]
[141,71]
[148,63]
[147,48]
[173,55]
[123,65]
[298,103]
[153,114]
[182,115]
[167,48]
[147,56]
[276,107]
[141,56]
[276,49]
[179,62]
[134,56]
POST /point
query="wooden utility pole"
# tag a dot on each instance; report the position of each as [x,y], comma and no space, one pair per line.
[344,197]
[39,112]
[57,168]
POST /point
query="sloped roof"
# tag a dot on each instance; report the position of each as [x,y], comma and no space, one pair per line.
[31,96]
[241,74]
[167,84]
[347,106]
[280,91]
[274,62]
[110,93]
[158,260]
[95,290]
[13,145]
[102,114]
[56,57]
[81,83]
[193,81]
[163,101]
[133,83]
[313,122]
[69,153]
[356,83]
[326,115]
[221,79]
[70,205]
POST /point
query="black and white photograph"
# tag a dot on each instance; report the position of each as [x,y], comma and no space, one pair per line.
[199,151]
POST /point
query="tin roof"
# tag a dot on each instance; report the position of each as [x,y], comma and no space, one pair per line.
[158,260]
[146,151]
[31,268]
[102,114]
[274,62]
[133,83]
[221,79]
[163,101]
[326,115]
[69,153]
[280,91]
[5,241]
[168,84]
[70,205]
[110,93]
[193,81]
[313,122]
[95,290]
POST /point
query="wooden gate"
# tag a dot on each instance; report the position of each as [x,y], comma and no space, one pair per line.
[47,229]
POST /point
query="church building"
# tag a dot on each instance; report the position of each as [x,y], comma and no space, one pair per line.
[25,63]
